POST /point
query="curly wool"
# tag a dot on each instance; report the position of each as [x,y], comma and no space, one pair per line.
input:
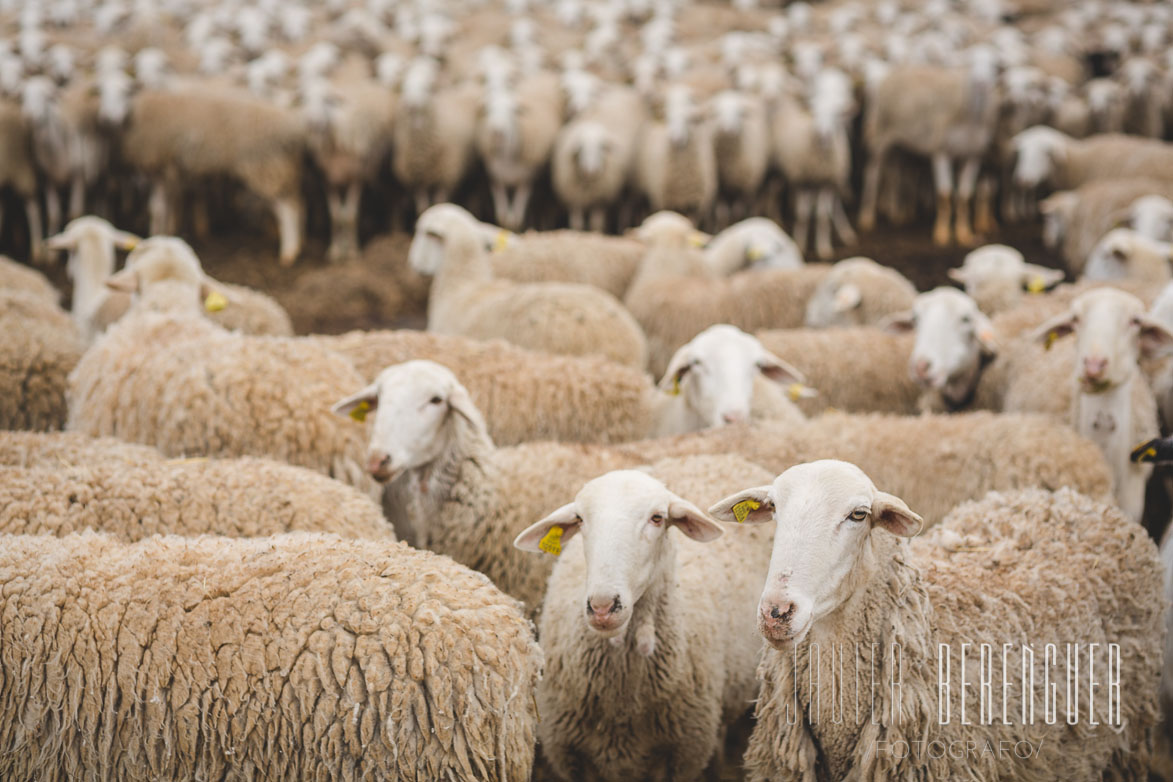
[301,656]
[606,262]
[38,349]
[18,277]
[70,449]
[1092,577]
[232,497]
[246,310]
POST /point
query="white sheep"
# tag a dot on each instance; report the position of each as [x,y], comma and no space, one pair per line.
[857,292]
[589,169]
[466,299]
[90,242]
[677,167]
[741,142]
[1125,254]
[1044,155]
[998,277]
[639,621]
[847,593]
[299,655]
[753,242]
[1152,216]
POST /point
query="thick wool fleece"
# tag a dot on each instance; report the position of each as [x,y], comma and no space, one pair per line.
[70,449]
[299,656]
[232,497]
[1027,567]
[39,346]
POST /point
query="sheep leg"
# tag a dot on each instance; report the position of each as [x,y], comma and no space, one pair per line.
[824,206]
[157,207]
[724,214]
[77,197]
[501,208]
[842,224]
[287,210]
[871,191]
[32,213]
[577,218]
[520,203]
[804,204]
[943,182]
[343,207]
[966,184]
[984,221]
[52,209]
[599,219]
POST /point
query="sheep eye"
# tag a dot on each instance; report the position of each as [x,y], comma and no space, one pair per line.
[859,514]
[657,519]
[435,400]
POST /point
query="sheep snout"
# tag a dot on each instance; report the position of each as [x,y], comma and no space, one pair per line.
[604,613]
[379,466]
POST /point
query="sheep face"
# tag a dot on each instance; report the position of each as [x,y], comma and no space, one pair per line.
[624,517]
[952,338]
[1037,149]
[999,273]
[1152,216]
[1113,333]
[1113,255]
[594,147]
[1057,211]
[432,230]
[837,298]
[825,513]
[414,404]
[715,374]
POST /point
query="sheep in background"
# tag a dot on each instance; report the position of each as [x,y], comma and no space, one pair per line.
[349,125]
[756,242]
[857,292]
[843,576]
[589,170]
[18,171]
[432,138]
[943,114]
[466,300]
[1125,254]
[741,142]
[90,242]
[677,167]
[515,137]
[1046,156]
[299,655]
[1152,216]
[998,277]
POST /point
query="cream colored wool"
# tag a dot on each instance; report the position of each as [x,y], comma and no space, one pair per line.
[606,262]
[39,346]
[48,450]
[232,497]
[610,712]
[245,310]
[1027,567]
[18,277]
[301,656]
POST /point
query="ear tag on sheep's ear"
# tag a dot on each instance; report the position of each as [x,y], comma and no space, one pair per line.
[215,302]
[359,413]
[1145,452]
[742,509]
[675,386]
[795,391]
[500,241]
[551,542]
[1036,284]
[130,245]
[1051,337]
[697,239]
[755,254]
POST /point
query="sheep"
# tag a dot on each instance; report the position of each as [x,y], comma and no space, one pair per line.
[998,277]
[515,138]
[18,277]
[56,147]
[1152,216]
[39,349]
[1074,220]
[667,626]
[232,497]
[429,434]
[756,242]
[1044,155]
[943,114]
[297,655]
[349,124]
[856,369]
[466,300]
[1127,254]
[893,606]
[199,130]
[43,450]
[677,167]
[588,171]
[857,292]
[433,134]
[606,262]
[165,376]
[18,171]
[741,143]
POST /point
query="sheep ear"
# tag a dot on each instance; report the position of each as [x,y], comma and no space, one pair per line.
[125,281]
[899,322]
[892,514]
[124,240]
[692,521]
[986,336]
[677,368]
[551,533]
[847,297]
[752,506]
[1037,279]
[781,372]
[62,241]
[1155,338]
[460,402]
[959,275]
[1056,327]
[357,405]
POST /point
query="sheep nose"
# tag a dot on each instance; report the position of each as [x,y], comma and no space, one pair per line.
[921,368]
[734,417]
[602,606]
[776,616]
[1094,367]
[379,465]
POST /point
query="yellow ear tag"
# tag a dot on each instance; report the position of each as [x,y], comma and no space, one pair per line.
[755,254]
[1036,285]
[675,386]
[359,413]
[1051,337]
[215,302]
[742,509]
[551,542]
[501,241]
[128,246]
[794,391]
[697,239]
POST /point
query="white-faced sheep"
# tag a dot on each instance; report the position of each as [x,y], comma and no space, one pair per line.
[844,583]
[200,390]
[465,299]
[741,142]
[134,500]
[1044,155]
[998,277]
[198,130]
[298,655]
[677,167]
[858,292]
[753,242]
[1127,254]
[589,169]
[1152,216]
[640,621]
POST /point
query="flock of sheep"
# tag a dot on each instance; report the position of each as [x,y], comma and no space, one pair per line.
[230,552]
